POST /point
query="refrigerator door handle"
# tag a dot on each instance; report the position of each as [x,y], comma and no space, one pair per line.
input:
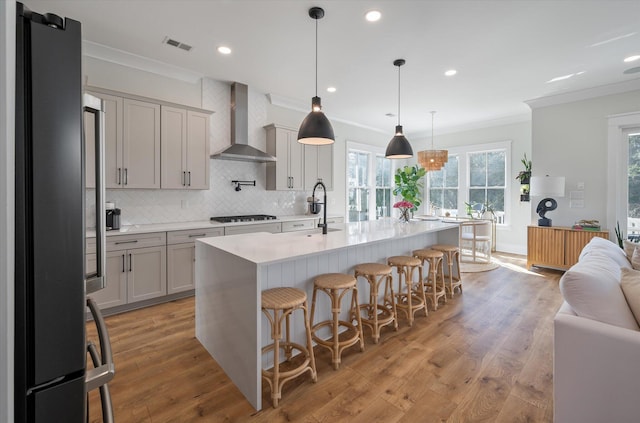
[96,281]
[104,369]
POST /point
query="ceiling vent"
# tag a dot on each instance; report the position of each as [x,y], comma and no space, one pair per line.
[175,43]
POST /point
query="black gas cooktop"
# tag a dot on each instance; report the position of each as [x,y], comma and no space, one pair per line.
[247,218]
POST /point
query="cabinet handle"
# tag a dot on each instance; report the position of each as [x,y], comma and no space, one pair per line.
[119,176]
[183,178]
[196,235]
[297,225]
[126,176]
[126,242]
[189,174]
[130,265]
[123,263]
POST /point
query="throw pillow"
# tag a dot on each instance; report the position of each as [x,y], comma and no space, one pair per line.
[611,249]
[630,284]
[629,248]
[592,289]
[635,259]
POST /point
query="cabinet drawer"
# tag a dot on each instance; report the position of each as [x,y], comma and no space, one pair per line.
[125,242]
[331,220]
[183,237]
[258,227]
[298,225]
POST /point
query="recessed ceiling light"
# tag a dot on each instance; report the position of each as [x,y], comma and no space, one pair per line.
[331,89]
[373,15]
[451,72]
[563,77]
[632,58]
[224,50]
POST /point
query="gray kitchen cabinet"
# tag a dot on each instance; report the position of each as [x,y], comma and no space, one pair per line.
[115,291]
[298,225]
[112,145]
[140,144]
[184,149]
[318,166]
[273,227]
[181,257]
[287,173]
[146,273]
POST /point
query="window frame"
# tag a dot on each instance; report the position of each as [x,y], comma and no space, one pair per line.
[463,153]
[373,151]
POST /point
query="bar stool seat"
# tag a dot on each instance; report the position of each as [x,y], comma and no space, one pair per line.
[377,315]
[409,299]
[283,302]
[336,286]
[435,290]
[452,254]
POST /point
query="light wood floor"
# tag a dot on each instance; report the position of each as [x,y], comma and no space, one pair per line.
[485,356]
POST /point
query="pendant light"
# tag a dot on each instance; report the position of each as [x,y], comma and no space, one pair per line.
[316,128]
[399,147]
[433,159]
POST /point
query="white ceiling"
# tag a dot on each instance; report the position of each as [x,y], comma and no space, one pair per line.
[504,51]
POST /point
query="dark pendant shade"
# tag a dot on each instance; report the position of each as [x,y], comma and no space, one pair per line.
[399,147]
[316,128]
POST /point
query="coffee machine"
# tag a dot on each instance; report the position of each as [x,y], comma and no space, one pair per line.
[112,217]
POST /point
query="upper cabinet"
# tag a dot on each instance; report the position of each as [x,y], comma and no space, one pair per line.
[151,144]
[184,149]
[287,173]
[318,166]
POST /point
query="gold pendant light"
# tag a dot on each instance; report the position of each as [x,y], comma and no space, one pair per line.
[433,159]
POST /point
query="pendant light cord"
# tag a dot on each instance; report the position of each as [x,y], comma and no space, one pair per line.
[316,57]
[398,95]
[432,114]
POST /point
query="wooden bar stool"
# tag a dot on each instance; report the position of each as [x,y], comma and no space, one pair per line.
[409,300]
[378,315]
[283,302]
[452,254]
[435,291]
[336,285]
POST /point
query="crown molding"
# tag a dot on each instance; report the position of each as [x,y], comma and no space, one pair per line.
[124,58]
[304,107]
[587,93]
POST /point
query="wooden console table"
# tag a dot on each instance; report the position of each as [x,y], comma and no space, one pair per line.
[557,247]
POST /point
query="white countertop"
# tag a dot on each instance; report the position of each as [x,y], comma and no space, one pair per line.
[264,247]
[200,224]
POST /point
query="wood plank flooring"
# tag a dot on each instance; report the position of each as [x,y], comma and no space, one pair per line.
[485,356]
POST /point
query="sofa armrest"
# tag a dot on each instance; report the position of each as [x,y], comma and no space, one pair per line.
[596,371]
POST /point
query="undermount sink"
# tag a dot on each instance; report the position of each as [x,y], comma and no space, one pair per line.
[316,231]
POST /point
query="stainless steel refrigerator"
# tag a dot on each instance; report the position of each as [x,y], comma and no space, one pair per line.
[51,376]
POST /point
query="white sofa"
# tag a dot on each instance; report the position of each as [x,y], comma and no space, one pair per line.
[596,372]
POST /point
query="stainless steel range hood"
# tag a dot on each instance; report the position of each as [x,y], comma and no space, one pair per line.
[240,149]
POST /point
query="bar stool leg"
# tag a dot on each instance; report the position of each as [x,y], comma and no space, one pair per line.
[335,311]
[276,335]
[356,307]
[389,296]
[312,358]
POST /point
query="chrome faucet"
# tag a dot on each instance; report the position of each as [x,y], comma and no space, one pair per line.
[313,195]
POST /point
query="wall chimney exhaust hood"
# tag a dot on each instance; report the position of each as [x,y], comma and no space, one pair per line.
[240,149]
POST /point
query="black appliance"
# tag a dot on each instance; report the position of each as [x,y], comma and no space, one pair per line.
[245,218]
[113,219]
[51,380]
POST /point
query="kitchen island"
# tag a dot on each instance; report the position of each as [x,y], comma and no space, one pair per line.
[232,271]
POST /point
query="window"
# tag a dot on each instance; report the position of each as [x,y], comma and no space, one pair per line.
[443,188]
[368,171]
[487,179]
[475,174]
[633,172]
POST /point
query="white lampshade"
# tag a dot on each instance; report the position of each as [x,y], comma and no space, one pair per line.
[547,186]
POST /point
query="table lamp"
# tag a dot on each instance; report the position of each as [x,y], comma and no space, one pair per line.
[547,187]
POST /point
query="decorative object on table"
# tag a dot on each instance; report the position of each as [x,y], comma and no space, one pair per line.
[409,182]
[524,176]
[399,146]
[469,209]
[587,225]
[547,186]
[405,210]
[433,159]
[316,128]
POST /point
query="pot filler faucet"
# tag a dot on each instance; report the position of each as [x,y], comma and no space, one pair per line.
[322,225]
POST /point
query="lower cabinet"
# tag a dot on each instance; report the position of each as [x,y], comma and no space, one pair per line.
[557,247]
[181,258]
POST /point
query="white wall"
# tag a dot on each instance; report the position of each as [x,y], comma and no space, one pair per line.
[511,238]
[7,119]
[570,140]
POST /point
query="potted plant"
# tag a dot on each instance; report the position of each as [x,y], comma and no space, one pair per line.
[409,182]
[524,176]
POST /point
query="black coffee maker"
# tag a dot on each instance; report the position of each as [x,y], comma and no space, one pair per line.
[113,217]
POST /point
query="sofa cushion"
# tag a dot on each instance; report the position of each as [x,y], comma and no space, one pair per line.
[629,247]
[630,284]
[597,244]
[635,259]
[592,289]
